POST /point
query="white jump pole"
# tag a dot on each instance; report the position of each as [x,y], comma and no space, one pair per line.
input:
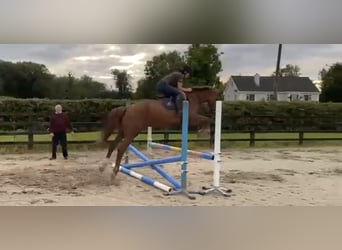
[217,155]
[149,141]
[127,151]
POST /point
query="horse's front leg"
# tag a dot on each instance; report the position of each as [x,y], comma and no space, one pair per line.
[202,122]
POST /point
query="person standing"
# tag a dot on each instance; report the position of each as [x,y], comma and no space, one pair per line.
[60,125]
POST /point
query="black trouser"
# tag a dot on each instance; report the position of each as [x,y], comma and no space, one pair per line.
[61,138]
[170,91]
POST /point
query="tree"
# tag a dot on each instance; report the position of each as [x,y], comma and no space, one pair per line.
[289,70]
[88,87]
[24,79]
[204,59]
[142,89]
[163,64]
[122,82]
[70,87]
[32,80]
[1,87]
[331,83]
[155,70]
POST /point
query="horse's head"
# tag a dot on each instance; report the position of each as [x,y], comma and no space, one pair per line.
[204,95]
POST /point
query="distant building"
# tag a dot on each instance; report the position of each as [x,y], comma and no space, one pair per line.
[260,88]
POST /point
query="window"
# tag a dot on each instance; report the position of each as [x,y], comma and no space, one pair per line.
[307,97]
[269,97]
[250,97]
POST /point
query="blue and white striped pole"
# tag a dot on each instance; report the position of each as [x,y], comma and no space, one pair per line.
[157,168]
[202,155]
[184,152]
[170,159]
[146,179]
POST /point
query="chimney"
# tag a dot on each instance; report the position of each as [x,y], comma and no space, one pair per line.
[257,79]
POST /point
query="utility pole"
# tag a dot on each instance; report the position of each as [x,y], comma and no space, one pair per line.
[275,86]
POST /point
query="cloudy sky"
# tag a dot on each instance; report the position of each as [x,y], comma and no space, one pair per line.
[96,60]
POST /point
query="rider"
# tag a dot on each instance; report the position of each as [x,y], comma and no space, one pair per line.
[171,85]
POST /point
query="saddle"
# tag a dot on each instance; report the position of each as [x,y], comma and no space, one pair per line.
[168,102]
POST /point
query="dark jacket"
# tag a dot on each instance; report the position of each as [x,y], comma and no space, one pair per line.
[173,78]
[60,123]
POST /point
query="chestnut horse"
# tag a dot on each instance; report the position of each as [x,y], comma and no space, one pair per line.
[130,121]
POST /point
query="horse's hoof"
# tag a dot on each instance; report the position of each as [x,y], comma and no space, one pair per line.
[114,181]
[104,164]
[102,168]
[207,132]
[112,177]
[203,133]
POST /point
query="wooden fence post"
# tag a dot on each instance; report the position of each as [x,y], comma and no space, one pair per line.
[252,138]
[30,134]
[166,136]
[301,137]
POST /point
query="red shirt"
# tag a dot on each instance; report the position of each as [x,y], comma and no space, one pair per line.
[60,123]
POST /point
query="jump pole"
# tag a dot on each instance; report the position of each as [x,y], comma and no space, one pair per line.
[155,165]
[184,155]
[217,159]
[183,158]
[207,156]
[127,152]
[149,140]
[126,169]
[146,179]
[170,159]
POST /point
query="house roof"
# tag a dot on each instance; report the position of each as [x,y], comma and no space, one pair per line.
[287,83]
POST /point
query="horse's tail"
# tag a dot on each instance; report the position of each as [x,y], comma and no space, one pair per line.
[114,121]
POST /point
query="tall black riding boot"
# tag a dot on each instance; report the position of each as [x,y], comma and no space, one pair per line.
[179,101]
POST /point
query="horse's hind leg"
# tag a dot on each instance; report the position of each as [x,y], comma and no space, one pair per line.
[114,144]
[121,150]
[111,148]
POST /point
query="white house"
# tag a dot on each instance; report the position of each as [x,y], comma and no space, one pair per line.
[259,88]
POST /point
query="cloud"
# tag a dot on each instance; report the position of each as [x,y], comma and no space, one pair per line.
[105,77]
[134,59]
[121,67]
[89,58]
[112,48]
[97,60]
[250,59]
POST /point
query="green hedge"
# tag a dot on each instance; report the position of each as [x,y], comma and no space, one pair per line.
[281,116]
[16,108]
[39,110]
[236,115]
